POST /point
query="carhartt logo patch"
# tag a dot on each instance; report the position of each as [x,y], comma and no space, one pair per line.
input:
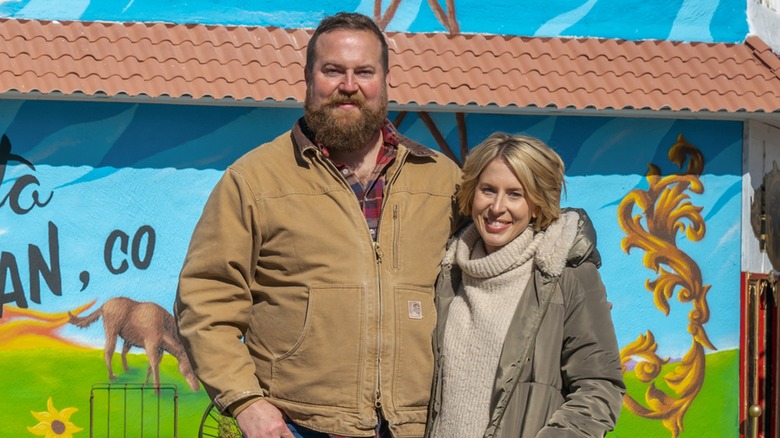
[415,310]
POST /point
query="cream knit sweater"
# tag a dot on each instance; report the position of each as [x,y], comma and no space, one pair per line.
[478,320]
[480,314]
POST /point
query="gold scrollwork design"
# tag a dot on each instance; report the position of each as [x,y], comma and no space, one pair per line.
[666,210]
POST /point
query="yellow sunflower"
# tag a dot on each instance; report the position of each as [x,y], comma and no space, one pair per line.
[54,423]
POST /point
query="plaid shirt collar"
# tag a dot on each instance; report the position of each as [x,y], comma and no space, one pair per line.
[369,193]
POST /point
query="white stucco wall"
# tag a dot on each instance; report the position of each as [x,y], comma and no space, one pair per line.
[764,21]
[761,152]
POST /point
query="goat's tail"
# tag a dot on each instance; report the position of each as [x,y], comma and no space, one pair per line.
[85,320]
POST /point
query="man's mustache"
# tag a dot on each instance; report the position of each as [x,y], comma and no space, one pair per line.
[343,99]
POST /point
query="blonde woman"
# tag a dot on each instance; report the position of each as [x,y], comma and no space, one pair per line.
[525,345]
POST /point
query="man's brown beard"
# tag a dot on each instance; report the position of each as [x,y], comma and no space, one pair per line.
[344,135]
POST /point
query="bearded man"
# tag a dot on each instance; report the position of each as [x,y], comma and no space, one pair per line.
[305,301]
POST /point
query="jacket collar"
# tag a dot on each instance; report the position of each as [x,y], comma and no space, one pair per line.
[557,242]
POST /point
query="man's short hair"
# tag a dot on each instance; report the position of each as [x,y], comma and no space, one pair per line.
[349,21]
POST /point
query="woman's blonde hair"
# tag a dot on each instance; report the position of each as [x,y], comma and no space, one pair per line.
[538,168]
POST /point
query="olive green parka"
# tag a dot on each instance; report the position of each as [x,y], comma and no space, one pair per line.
[560,373]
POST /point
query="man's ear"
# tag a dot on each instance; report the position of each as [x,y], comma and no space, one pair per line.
[306,75]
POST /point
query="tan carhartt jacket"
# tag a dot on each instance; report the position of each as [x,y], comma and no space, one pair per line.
[334,326]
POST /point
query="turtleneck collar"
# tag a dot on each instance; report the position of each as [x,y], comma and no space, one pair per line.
[472,258]
[549,248]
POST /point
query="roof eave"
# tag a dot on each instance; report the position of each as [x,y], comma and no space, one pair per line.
[772,118]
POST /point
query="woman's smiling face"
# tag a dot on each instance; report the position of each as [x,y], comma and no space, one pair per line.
[500,209]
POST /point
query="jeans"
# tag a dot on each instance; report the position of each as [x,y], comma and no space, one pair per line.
[302,432]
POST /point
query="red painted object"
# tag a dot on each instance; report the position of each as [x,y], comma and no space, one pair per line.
[758,354]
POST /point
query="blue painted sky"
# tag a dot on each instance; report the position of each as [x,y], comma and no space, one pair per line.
[683,20]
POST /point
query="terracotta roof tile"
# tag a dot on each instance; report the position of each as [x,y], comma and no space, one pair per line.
[765,54]
[256,64]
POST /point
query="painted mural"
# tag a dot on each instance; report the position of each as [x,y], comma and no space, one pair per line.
[98,200]
[680,20]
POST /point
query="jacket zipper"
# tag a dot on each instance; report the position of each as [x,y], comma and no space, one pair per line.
[378,255]
[378,261]
[378,391]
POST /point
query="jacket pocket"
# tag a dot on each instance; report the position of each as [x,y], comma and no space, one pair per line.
[415,321]
[396,236]
[324,366]
[528,410]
